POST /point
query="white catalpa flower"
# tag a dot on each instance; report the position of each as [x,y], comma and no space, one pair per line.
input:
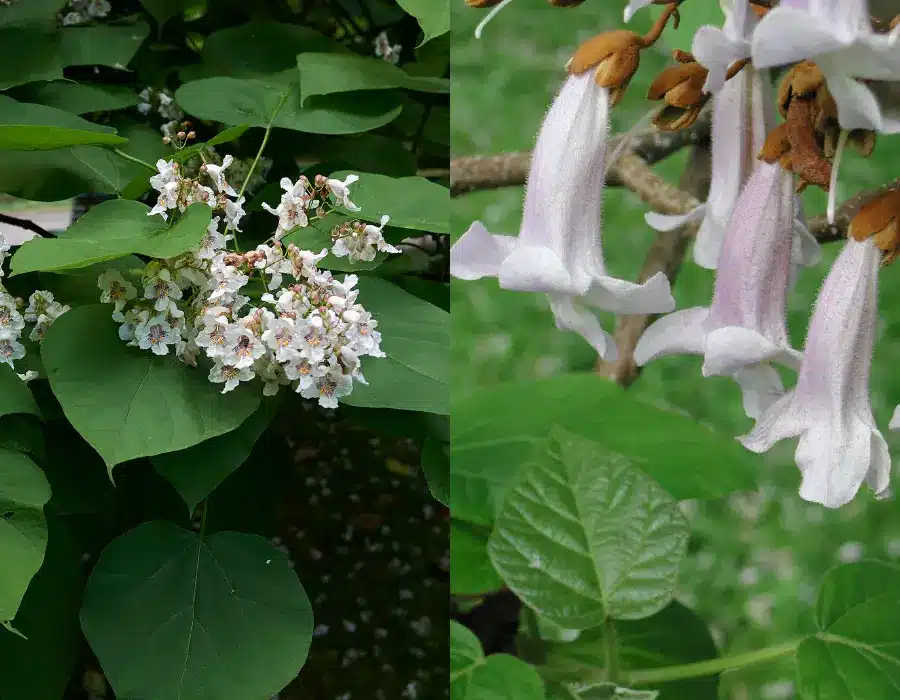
[744,330]
[341,191]
[155,334]
[217,175]
[162,290]
[281,337]
[273,263]
[11,350]
[384,49]
[168,173]
[557,251]
[234,212]
[11,321]
[38,303]
[242,347]
[837,35]
[230,375]
[328,388]
[115,289]
[225,280]
[840,446]
[291,211]
[304,372]
[361,242]
[212,336]
[717,49]
[28,376]
[168,199]
[213,241]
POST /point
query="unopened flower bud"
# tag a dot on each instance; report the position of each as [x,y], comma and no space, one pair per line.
[167,140]
[805,80]
[614,56]
[203,168]
[181,135]
[681,88]
[192,135]
[880,220]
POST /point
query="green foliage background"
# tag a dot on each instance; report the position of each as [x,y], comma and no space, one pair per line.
[756,558]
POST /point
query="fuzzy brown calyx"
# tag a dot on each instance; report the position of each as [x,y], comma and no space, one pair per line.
[565,3]
[681,88]
[615,57]
[879,219]
[803,80]
[482,4]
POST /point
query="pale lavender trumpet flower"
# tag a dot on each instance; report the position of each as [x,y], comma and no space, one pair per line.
[558,250]
[743,115]
[744,330]
[840,446]
[837,35]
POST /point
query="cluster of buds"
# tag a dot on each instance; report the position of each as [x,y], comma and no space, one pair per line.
[303,201]
[176,191]
[180,138]
[162,103]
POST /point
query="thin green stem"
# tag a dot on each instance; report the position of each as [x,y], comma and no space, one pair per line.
[711,667]
[203,517]
[262,146]
[610,651]
[134,160]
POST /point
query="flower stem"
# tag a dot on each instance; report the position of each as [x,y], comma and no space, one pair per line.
[134,160]
[203,518]
[262,146]
[711,667]
[610,651]
[656,30]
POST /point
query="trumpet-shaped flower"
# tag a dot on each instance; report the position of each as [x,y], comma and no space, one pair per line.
[744,330]
[837,35]
[558,251]
[829,409]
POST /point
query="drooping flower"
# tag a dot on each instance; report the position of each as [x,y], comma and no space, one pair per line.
[291,210]
[744,330]
[829,409]
[341,191]
[838,36]
[217,175]
[558,250]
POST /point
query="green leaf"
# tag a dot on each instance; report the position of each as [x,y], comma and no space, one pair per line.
[317,236]
[412,202]
[253,101]
[30,12]
[266,47]
[225,136]
[34,127]
[473,676]
[15,396]
[433,15]
[471,571]
[164,10]
[171,616]
[416,339]
[329,73]
[856,653]
[41,665]
[436,466]
[129,403]
[112,229]
[495,430]
[584,535]
[28,54]
[102,45]
[198,470]
[23,529]
[674,636]
[78,98]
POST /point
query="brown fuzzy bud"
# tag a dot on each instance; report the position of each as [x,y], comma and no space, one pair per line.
[803,80]
[565,3]
[880,219]
[681,87]
[482,4]
[192,135]
[615,56]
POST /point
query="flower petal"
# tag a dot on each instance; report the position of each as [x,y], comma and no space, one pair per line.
[761,387]
[670,222]
[731,348]
[570,315]
[857,105]
[678,333]
[479,253]
[786,35]
[531,268]
[633,7]
[778,422]
[895,419]
[622,297]
[716,51]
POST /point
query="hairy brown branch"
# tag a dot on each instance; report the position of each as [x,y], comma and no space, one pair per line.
[469,173]
[26,224]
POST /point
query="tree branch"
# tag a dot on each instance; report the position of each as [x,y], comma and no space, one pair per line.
[26,224]
[469,173]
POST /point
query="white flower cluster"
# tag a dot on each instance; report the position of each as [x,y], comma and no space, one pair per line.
[42,310]
[82,11]
[162,103]
[309,334]
[360,241]
[384,49]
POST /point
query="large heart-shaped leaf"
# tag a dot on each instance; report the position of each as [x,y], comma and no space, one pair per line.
[856,653]
[23,529]
[331,73]
[111,230]
[36,127]
[102,45]
[129,403]
[78,98]
[415,336]
[584,535]
[495,430]
[474,676]
[15,396]
[253,101]
[28,54]
[412,202]
[172,616]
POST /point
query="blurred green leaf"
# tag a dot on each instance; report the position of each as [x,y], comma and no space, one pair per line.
[129,403]
[495,430]
[111,230]
[436,465]
[170,615]
[31,12]
[102,45]
[15,396]
[34,127]
[78,98]
[584,535]
[415,338]
[599,691]
[412,202]
[164,10]
[856,653]
[28,54]
[473,676]
[225,136]
[23,529]
[253,101]
[471,571]
[433,15]
[329,73]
